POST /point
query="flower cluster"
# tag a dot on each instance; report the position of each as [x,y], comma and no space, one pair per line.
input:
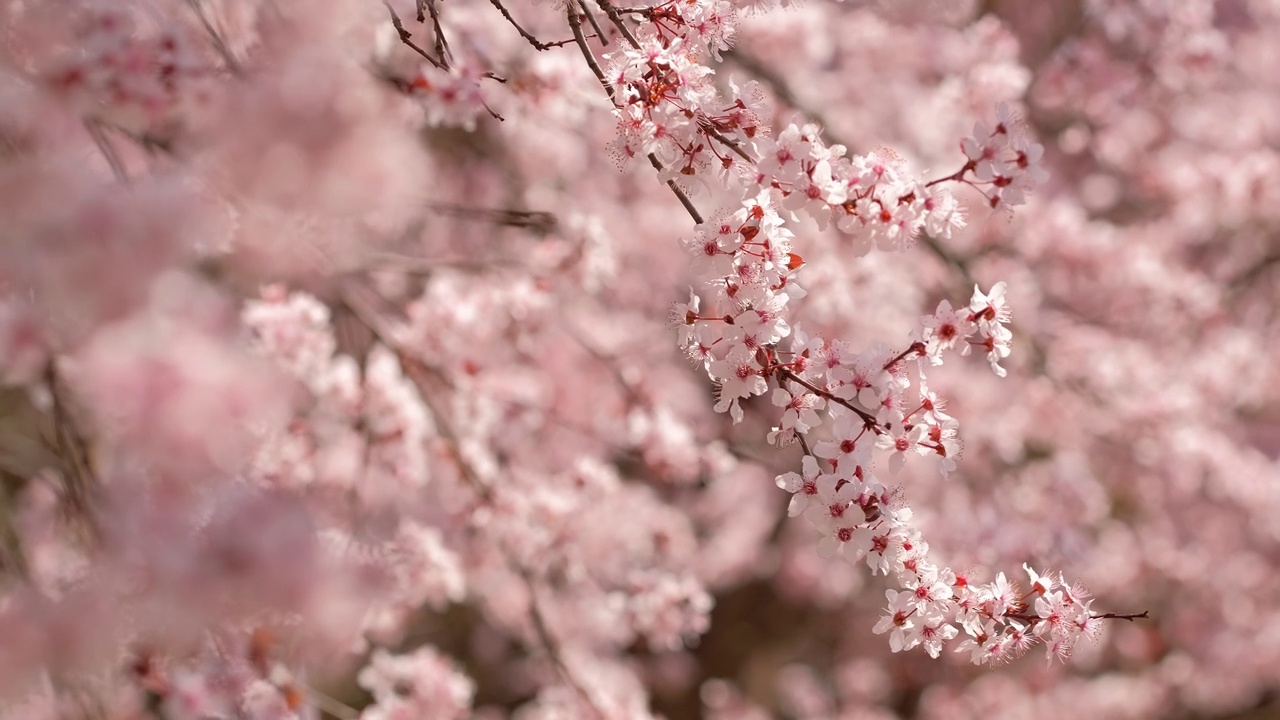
[871,196]
[133,80]
[420,684]
[666,103]
[861,399]
[1005,164]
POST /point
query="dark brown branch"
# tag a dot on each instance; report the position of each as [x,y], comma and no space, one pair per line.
[1123,616]
[917,348]
[867,418]
[538,221]
[528,36]
[728,142]
[618,22]
[684,199]
[575,25]
[407,38]
[442,45]
[591,18]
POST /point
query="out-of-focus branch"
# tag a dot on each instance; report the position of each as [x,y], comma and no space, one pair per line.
[538,221]
[775,82]
[216,38]
[1250,275]
[552,647]
[419,373]
[108,150]
[78,477]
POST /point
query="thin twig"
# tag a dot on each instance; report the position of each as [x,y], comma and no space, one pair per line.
[78,477]
[331,706]
[442,45]
[680,194]
[406,38]
[218,43]
[1123,616]
[728,142]
[419,373]
[618,22]
[552,647]
[528,36]
[575,25]
[492,113]
[867,418]
[106,148]
[591,18]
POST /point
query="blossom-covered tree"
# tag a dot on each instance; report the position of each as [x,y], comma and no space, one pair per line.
[583,359]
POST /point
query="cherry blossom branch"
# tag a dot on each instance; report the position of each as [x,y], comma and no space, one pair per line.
[867,417]
[746,264]
[783,90]
[576,26]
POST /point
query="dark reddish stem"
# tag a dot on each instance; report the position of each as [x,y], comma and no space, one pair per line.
[867,417]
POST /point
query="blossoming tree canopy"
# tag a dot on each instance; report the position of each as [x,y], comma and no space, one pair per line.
[588,359]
